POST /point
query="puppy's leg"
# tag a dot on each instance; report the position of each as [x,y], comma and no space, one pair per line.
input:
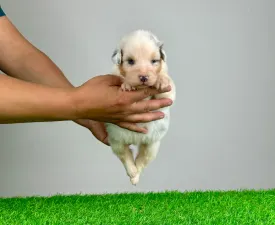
[124,86]
[164,81]
[124,153]
[147,153]
[127,87]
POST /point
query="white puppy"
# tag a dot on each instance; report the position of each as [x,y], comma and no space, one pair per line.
[141,61]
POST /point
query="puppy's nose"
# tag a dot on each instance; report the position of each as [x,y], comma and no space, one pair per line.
[143,78]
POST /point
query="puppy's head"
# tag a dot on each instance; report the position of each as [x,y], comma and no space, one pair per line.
[140,58]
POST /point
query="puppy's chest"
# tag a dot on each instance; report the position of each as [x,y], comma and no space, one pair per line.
[156,130]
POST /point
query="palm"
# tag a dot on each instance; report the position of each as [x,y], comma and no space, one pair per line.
[97,129]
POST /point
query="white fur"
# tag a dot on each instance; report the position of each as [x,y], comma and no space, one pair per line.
[120,139]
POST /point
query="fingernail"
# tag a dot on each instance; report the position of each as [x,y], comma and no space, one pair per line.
[161,116]
[170,102]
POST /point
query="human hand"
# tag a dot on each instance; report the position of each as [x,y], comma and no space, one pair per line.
[97,129]
[101,99]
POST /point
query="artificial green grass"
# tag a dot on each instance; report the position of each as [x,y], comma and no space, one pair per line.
[215,208]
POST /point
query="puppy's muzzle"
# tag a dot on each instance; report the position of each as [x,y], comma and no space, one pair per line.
[143,78]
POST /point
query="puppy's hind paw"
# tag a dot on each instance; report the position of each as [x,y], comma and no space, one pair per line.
[132,172]
[135,179]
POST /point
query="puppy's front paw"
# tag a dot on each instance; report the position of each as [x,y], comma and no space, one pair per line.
[162,83]
[127,87]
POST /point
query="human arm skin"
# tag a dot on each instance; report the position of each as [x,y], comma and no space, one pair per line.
[22,101]
[99,99]
[20,59]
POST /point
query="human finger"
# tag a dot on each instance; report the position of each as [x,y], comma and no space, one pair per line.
[150,105]
[144,117]
[141,94]
[132,127]
[100,136]
[113,80]
[99,131]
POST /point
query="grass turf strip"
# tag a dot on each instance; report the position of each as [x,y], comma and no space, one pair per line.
[227,207]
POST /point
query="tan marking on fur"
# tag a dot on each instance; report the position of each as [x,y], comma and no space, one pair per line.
[159,67]
[153,56]
[122,71]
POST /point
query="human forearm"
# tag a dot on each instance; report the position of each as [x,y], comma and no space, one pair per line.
[37,67]
[22,101]
[20,59]
[99,99]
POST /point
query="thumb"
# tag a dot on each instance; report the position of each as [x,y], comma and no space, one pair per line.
[141,94]
[113,80]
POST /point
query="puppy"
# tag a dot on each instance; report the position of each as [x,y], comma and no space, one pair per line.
[141,61]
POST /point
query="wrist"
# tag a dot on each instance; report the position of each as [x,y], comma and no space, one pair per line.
[78,109]
[27,102]
[65,106]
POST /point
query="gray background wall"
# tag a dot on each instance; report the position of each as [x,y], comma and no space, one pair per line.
[221,56]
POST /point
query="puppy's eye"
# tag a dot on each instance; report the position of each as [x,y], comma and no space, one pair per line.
[154,61]
[131,61]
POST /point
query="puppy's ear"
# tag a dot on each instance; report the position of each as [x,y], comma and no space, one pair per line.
[117,56]
[159,45]
[162,52]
